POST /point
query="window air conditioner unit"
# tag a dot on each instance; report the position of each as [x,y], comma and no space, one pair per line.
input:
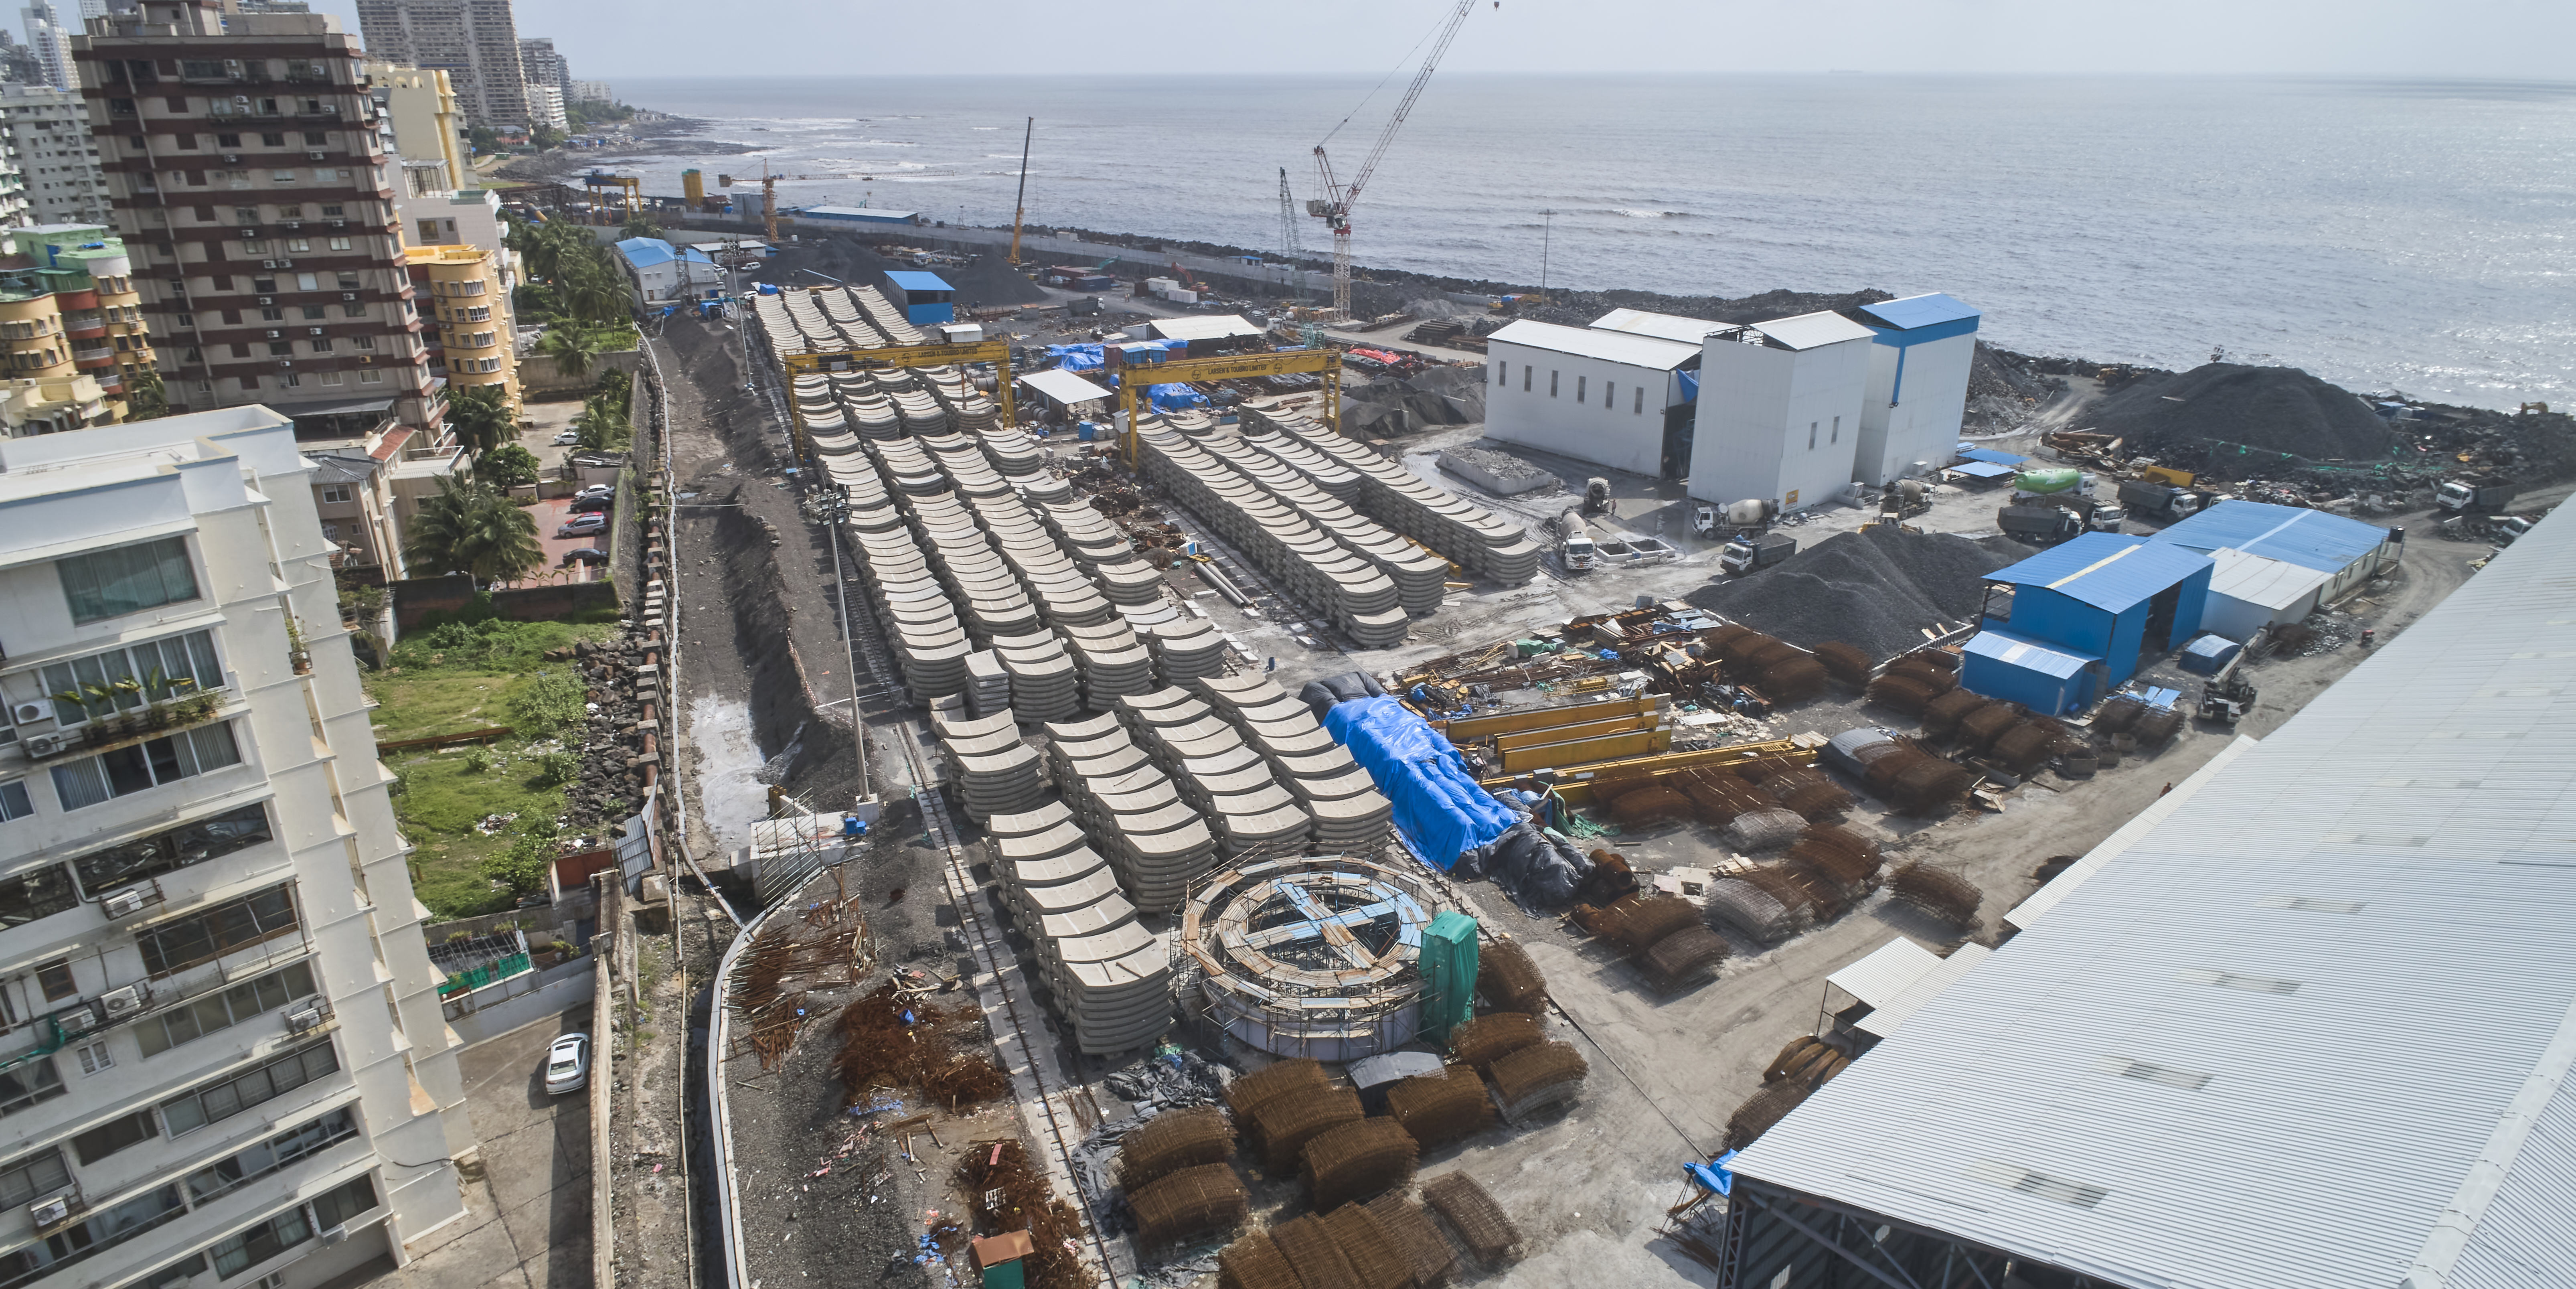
[313,330]
[268,264]
[302,1019]
[267,300]
[335,1235]
[364,359]
[51,1212]
[286,264]
[232,159]
[40,746]
[348,295]
[77,1020]
[315,155]
[30,713]
[121,904]
[292,224]
[126,1001]
[272,335]
[241,98]
[339,223]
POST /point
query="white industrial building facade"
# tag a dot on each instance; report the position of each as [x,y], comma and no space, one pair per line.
[1794,410]
[2313,1029]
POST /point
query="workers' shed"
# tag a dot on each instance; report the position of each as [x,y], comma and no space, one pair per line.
[1066,393]
[926,298]
[1918,384]
[1597,396]
[856,216]
[2048,679]
[2347,550]
[2102,596]
[1779,411]
[2248,593]
[1223,334]
[660,271]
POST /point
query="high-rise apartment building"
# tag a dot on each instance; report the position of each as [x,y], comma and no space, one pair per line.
[590,92]
[68,307]
[49,37]
[225,1064]
[542,65]
[13,183]
[465,289]
[249,178]
[18,63]
[476,42]
[418,107]
[546,108]
[48,129]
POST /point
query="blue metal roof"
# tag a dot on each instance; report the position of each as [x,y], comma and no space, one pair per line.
[918,282]
[2307,538]
[1984,470]
[1920,311]
[2106,570]
[2026,653]
[645,252]
[1989,454]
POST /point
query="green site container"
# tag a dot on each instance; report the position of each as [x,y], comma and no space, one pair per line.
[2048,482]
[1532,648]
[1006,1276]
[1448,974]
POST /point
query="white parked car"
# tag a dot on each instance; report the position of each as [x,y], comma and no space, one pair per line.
[566,438]
[568,1064]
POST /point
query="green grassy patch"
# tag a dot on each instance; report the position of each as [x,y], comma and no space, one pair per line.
[451,679]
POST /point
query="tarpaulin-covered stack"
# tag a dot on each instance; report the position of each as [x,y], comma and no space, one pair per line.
[996,772]
[1440,808]
[1131,810]
[1316,570]
[1215,772]
[1109,980]
[1467,533]
[1350,814]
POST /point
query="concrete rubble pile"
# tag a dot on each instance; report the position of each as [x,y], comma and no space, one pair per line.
[1316,570]
[994,771]
[1105,975]
[1468,534]
[1130,809]
[1350,815]
[1217,773]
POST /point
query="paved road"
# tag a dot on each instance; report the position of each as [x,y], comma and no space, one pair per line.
[527,1206]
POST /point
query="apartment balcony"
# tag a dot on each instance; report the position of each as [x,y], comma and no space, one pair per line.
[93,359]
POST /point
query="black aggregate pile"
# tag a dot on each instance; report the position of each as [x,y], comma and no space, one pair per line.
[982,283]
[1401,405]
[2231,419]
[1876,589]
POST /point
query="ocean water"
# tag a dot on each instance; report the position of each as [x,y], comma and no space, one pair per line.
[2409,235]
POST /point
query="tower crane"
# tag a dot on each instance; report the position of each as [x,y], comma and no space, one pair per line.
[1334,207]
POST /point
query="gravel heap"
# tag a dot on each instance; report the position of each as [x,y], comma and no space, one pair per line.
[2200,419]
[1440,396]
[1876,588]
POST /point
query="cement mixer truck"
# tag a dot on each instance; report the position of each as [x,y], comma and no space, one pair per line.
[1752,514]
[1576,552]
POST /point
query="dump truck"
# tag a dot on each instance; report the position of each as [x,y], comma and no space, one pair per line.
[2478,495]
[2032,524]
[1576,552]
[1750,515]
[2098,516]
[1751,551]
[2158,500]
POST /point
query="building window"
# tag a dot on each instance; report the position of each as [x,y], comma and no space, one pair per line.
[181,943]
[167,852]
[370,377]
[280,1151]
[281,348]
[1551,383]
[13,801]
[1581,385]
[176,1274]
[321,344]
[1641,400]
[30,1084]
[94,1058]
[29,1178]
[127,579]
[116,1134]
[1525,378]
[260,1243]
[1502,373]
[55,978]
[126,1221]
[1811,436]
[337,1207]
[1838,430]
[242,1002]
[32,897]
[339,243]
[353,310]
[1610,394]
[317,311]
[156,670]
[362,342]
[133,769]
[282,176]
[335,494]
[232,1094]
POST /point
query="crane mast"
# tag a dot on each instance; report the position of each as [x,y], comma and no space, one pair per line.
[1020,208]
[1334,207]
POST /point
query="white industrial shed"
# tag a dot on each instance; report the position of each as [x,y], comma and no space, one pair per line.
[2249,592]
[1780,410]
[1918,385]
[2311,1031]
[1589,394]
[1662,326]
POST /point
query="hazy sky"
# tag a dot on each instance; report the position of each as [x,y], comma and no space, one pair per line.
[2482,38]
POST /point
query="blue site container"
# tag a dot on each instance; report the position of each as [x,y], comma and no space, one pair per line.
[2209,654]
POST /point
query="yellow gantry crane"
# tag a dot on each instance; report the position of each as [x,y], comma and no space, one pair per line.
[1328,362]
[996,352]
[1334,207]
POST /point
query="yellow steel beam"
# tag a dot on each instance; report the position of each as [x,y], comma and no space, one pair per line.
[1467,728]
[1327,362]
[1510,743]
[1578,791]
[1584,751]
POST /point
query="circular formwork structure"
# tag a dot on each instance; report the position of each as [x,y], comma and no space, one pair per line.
[1314,955]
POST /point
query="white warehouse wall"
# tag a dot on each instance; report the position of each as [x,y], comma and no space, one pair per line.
[1756,404]
[1923,425]
[1520,407]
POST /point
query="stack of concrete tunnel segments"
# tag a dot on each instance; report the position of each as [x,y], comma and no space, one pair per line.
[996,773]
[1467,534]
[1217,773]
[1314,568]
[1105,975]
[1185,649]
[1131,810]
[1421,578]
[1350,814]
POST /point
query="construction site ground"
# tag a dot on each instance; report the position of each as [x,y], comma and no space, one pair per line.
[765,680]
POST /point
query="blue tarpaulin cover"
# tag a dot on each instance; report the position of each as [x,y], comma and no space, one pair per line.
[1438,806]
[1690,385]
[1077,358]
[1172,398]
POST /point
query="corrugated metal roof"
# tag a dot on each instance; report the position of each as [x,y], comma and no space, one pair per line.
[1813,330]
[1218,328]
[1663,326]
[1989,454]
[1064,386]
[1886,972]
[1983,470]
[2310,1032]
[1609,346]
[2272,583]
[910,280]
[2027,913]
[2106,570]
[2026,653]
[1919,311]
[1890,1018]
[2311,538]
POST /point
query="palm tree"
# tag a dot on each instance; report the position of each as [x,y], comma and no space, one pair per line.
[572,346]
[639,226]
[601,426]
[596,293]
[470,527]
[480,417]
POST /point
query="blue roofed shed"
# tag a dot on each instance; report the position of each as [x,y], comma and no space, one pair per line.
[924,297]
[2042,677]
[1990,455]
[2106,596]
[2348,550]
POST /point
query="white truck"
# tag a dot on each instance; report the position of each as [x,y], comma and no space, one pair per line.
[1577,548]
